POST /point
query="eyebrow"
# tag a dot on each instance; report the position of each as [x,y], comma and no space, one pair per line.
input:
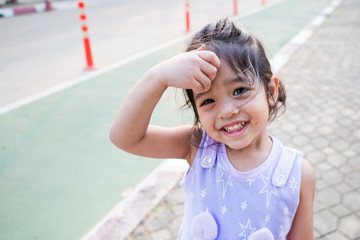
[233,80]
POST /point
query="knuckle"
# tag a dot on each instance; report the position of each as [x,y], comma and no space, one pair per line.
[213,73]
[200,87]
[207,87]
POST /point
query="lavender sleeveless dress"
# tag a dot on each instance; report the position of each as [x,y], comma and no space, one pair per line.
[224,203]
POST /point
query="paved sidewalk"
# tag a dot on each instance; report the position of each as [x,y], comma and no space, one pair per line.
[322,120]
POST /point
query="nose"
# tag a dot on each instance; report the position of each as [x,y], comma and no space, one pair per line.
[228,110]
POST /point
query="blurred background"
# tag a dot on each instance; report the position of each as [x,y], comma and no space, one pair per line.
[59,173]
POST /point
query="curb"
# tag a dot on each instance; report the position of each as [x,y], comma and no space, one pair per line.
[11,12]
[126,216]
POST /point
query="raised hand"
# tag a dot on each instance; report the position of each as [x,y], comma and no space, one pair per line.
[190,70]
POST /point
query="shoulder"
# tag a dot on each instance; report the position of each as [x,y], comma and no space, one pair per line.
[303,225]
[196,135]
[308,178]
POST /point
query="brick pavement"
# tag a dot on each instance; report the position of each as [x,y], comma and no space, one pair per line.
[322,120]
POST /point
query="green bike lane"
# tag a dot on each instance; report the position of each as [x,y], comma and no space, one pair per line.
[59,173]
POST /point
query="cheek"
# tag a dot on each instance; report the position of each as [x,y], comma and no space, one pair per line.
[206,119]
[258,108]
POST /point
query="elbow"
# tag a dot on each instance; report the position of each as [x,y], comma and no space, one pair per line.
[115,138]
[112,136]
[120,140]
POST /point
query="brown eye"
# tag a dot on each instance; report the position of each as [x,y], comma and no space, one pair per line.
[239,91]
[207,101]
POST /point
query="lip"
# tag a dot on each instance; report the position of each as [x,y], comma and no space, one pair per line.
[235,132]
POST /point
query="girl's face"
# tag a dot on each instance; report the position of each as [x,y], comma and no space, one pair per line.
[232,111]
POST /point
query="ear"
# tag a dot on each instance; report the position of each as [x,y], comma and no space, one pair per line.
[273,91]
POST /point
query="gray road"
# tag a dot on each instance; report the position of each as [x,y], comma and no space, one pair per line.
[40,51]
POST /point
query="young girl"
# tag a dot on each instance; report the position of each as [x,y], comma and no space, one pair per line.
[242,182]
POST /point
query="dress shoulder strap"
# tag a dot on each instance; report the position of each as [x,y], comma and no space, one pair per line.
[288,158]
[207,151]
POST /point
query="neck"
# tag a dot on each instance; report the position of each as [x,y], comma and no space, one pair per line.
[252,156]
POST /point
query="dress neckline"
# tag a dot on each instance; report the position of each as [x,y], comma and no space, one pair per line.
[270,160]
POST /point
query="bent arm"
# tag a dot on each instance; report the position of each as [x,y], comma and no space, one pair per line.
[131,131]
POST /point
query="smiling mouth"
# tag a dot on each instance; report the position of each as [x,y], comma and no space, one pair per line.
[234,128]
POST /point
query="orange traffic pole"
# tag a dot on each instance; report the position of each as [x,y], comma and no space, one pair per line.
[48,6]
[187,16]
[235,8]
[86,39]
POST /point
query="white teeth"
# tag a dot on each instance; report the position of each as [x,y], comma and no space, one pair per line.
[235,127]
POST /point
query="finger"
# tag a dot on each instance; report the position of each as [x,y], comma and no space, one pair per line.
[204,80]
[197,86]
[210,57]
[209,70]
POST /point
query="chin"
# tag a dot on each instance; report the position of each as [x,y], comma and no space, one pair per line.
[236,146]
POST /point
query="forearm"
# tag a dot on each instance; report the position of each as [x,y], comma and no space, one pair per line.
[133,118]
